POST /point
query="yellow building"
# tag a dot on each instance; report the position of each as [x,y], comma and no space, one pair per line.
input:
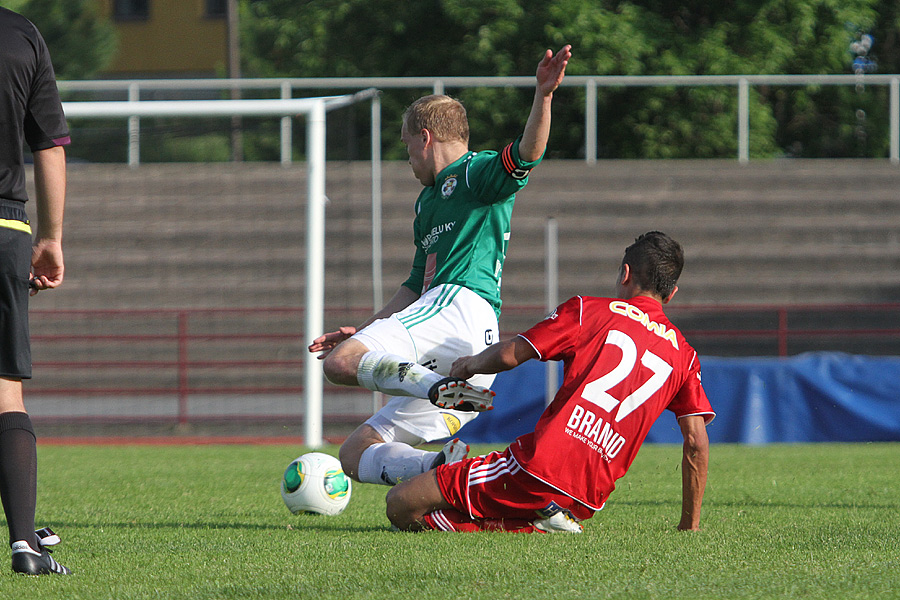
[168,38]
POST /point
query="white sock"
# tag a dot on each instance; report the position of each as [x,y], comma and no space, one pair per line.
[394,375]
[393,462]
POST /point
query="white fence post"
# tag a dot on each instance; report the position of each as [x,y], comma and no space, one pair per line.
[287,128]
[551,251]
[315,269]
[377,278]
[590,121]
[743,121]
[134,128]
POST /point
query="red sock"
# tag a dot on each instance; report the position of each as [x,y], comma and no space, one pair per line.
[451,520]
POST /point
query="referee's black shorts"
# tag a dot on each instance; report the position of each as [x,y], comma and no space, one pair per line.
[15,265]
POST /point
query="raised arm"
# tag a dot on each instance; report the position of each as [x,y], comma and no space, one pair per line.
[50,186]
[694,468]
[550,73]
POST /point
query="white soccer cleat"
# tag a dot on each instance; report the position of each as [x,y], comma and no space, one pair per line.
[558,520]
[453,451]
[459,394]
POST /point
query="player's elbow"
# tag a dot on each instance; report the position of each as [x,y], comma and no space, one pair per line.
[696,442]
[696,448]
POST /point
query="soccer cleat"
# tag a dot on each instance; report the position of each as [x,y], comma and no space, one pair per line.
[28,561]
[555,519]
[459,394]
[46,537]
[453,451]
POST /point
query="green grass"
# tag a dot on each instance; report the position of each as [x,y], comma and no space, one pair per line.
[781,521]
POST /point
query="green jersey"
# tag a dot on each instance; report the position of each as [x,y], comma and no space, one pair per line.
[462,223]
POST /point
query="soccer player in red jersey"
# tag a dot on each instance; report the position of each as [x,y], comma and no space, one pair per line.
[625,363]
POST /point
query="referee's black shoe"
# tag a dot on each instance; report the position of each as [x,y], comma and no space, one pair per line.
[28,561]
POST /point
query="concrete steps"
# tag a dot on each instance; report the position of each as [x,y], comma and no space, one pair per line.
[233,235]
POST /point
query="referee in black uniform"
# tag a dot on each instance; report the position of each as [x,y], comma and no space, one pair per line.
[30,112]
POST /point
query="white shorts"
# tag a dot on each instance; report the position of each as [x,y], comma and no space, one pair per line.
[446,322]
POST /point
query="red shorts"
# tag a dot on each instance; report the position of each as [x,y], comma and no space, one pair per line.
[495,486]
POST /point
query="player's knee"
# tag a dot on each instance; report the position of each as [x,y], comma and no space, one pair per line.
[349,463]
[350,453]
[340,368]
[398,512]
[331,367]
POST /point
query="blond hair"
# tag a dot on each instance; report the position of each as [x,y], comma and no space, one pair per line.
[443,116]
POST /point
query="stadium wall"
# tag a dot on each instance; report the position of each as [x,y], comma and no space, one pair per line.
[231,236]
[783,232]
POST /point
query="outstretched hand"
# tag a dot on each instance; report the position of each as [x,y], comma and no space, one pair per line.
[552,69]
[327,342]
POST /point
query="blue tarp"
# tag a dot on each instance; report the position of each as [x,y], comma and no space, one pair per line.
[815,397]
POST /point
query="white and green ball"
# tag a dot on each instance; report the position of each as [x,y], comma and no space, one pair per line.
[315,483]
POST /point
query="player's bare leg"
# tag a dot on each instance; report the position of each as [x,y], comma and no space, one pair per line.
[410,501]
[342,364]
[11,395]
[418,504]
[353,447]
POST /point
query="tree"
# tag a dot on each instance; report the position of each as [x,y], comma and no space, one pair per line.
[328,38]
[654,37]
[81,40]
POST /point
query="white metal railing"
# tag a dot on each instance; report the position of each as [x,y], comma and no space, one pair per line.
[132,89]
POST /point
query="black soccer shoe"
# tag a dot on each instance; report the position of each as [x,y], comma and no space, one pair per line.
[27,561]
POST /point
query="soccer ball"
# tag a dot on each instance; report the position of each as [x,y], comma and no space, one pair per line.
[315,483]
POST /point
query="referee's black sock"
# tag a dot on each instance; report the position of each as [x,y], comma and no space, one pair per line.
[18,475]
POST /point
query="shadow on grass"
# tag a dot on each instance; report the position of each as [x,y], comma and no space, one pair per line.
[760,504]
[217,526]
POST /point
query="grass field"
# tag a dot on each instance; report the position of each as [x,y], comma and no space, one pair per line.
[781,521]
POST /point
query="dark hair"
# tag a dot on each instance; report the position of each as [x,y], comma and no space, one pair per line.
[656,261]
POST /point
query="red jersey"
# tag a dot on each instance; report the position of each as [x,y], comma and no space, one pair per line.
[624,363]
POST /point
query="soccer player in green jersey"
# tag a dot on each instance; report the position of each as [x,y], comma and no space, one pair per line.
[450,304]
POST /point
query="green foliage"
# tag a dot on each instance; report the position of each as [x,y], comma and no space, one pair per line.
[81,40]
[330,38]
[195,522]
[381,38]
